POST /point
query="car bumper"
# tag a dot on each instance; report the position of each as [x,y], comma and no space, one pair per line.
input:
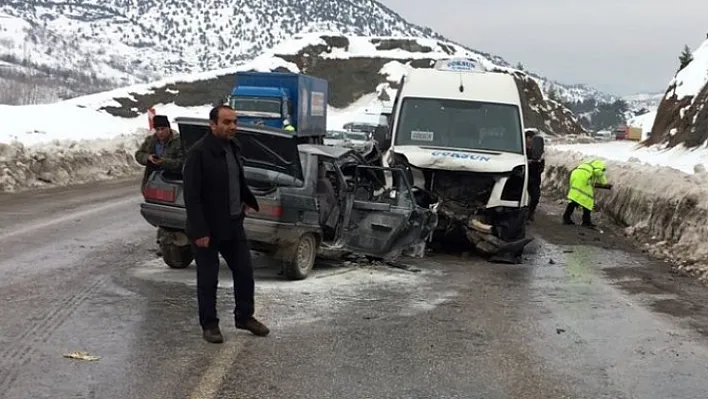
[257,230]
[164,215]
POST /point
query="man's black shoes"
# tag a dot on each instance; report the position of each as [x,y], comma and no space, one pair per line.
[213,335]
[254,326]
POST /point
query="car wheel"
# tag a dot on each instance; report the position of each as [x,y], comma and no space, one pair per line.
[303,259]
[177,257]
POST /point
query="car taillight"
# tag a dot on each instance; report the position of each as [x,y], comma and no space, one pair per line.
[275,211]
[160,194]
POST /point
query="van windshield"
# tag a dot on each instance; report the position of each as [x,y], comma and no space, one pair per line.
[430,122]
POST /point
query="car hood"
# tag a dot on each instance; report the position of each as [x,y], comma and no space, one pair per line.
[333,142]
[261,147]
[460,160]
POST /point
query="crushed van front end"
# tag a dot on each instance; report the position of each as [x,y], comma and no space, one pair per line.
[485,212]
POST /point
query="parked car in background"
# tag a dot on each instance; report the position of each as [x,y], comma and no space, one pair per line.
[603,135]
[361,142]
[376,124]
[360,126]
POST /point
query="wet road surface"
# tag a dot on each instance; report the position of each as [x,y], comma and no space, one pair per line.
[78,272]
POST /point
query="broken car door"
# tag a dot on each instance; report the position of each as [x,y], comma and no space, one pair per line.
[384,220]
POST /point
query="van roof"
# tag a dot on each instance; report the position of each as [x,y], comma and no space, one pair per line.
[478,86]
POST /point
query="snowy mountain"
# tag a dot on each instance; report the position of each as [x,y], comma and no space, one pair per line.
[92,45]
[354,66]
[649,101]
[682,116]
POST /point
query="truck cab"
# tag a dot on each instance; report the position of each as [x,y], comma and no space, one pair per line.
[279,99]
[458,131]
[268,106]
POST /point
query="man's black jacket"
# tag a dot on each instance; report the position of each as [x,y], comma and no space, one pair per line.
[536,168]
[206,189]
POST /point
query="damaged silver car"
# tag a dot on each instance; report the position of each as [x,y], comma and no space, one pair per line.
[314,200]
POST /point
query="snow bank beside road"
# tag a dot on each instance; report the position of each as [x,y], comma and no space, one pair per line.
[92,145]
[61,144]
[683,159]
[666,209]
[68,162]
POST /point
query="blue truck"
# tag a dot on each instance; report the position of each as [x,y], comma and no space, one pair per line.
[274,98]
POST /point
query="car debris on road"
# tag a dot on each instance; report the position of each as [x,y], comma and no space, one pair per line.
[82,355]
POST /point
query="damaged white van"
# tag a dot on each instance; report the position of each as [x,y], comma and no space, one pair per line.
[458,132]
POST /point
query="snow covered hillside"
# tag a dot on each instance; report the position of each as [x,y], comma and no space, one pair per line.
[113,43]
[354,66]
[682,118]
[357,68]
[649,101]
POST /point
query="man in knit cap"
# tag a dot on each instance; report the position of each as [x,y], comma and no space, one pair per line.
[162,150]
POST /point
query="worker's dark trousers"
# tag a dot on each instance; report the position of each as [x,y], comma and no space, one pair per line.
[236,253]
[572,205]
[534,190]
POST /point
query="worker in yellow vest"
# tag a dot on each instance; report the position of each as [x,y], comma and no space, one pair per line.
[287,126]
[583,180]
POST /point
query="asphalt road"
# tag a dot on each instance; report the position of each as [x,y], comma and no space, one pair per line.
[78,272]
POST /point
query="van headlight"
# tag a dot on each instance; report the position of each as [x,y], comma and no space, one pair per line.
[519,170]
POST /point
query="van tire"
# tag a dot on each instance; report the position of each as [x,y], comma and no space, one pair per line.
[303,258]
[177,257]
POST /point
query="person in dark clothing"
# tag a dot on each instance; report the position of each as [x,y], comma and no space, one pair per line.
[216,196]
[160,151]
[536,164]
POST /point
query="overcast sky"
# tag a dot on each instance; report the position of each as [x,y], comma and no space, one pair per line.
[619,46]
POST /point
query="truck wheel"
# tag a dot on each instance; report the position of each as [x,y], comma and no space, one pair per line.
[303,259]
[177,257]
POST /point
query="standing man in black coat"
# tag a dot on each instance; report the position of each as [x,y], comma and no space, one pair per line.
[216,196]
[536,164]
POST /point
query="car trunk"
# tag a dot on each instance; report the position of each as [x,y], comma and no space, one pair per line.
[271,160]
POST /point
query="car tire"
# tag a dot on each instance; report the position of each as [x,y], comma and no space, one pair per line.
[303,258]
[177,257]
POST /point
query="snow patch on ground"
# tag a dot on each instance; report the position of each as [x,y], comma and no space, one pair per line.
[662,207]
[324,293]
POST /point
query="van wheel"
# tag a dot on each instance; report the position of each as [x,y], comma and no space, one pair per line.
[177,257]
[303,259]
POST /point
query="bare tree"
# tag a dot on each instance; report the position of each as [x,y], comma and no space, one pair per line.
[19,84]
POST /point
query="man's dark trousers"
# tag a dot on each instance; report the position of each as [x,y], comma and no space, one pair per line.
[236,253]
[570,208]
[534,194]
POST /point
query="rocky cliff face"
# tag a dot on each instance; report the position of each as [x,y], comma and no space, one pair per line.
[682,116]
[353,66]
